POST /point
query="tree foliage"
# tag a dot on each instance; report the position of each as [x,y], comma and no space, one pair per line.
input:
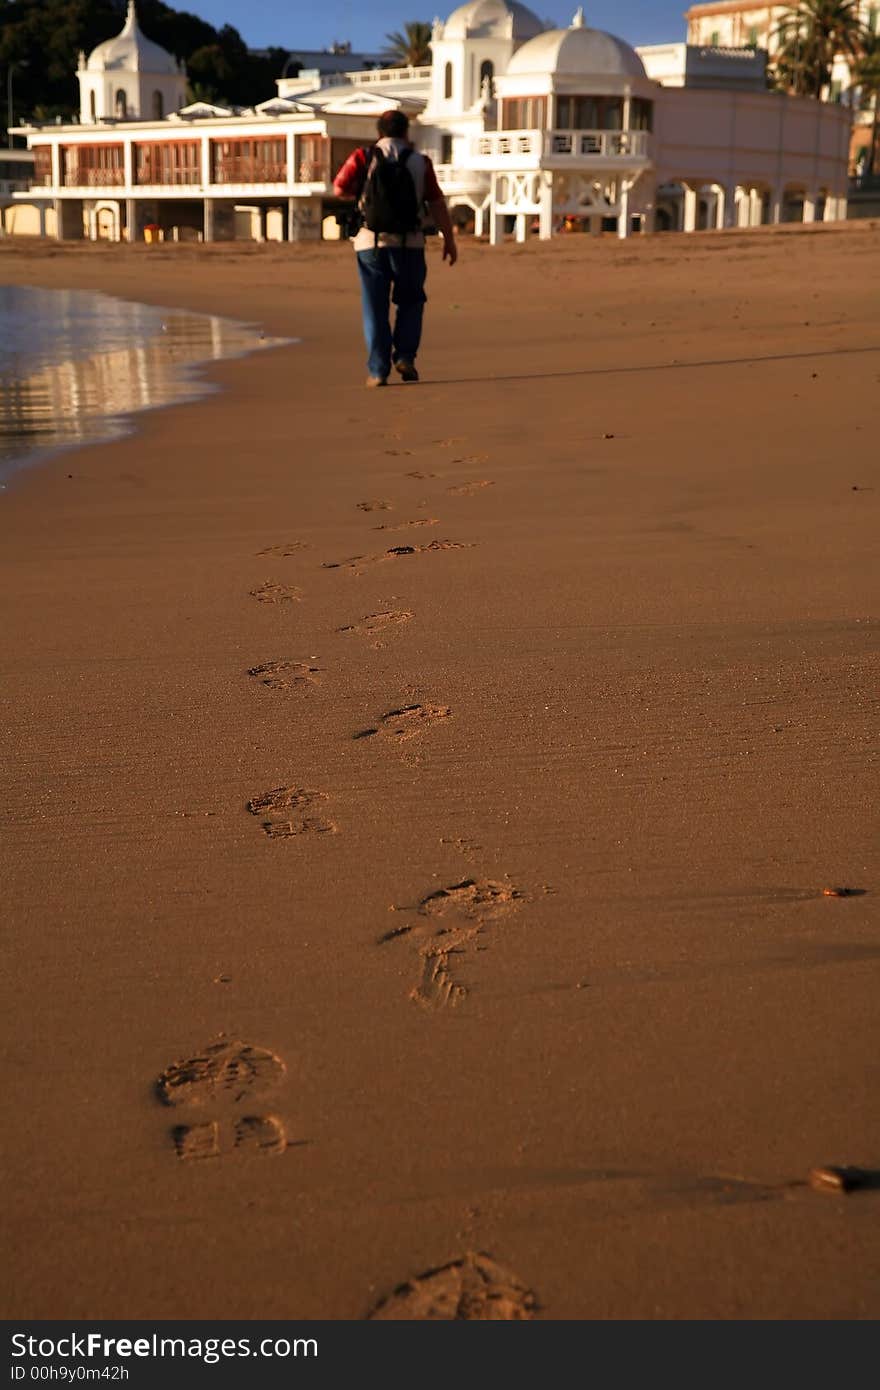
[811,35]
[43,38]
[411,48]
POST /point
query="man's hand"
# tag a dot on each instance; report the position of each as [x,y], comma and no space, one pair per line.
[450,250]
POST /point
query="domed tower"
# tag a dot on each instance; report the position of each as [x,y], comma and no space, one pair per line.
[476,43]
[129,78]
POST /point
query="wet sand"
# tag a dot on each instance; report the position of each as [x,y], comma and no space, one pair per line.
[487,915]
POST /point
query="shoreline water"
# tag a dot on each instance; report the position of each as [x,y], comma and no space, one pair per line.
[78,367]
[645,666]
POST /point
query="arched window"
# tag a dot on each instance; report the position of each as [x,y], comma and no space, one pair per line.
[487,72]
[121,105]
[93,105]
[158,106]
[447,81]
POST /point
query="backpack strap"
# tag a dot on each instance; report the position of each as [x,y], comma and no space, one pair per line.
[402,160]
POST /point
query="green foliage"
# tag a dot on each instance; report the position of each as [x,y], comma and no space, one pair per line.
[43,38]
[811,35]
[412,48]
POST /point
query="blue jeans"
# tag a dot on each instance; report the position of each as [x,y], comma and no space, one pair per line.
[391,274]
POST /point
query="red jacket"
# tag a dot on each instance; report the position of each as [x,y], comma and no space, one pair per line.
[351,177]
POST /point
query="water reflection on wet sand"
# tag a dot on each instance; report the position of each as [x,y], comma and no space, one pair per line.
[83,381]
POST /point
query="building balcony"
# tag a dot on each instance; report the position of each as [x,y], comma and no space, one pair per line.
[455,180]
[559,149]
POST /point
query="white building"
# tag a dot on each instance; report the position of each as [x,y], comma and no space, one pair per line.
[531,129]
[744,24]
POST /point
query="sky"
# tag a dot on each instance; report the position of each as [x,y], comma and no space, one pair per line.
[306,24]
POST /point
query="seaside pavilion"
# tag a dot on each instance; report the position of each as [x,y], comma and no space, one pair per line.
[532,130]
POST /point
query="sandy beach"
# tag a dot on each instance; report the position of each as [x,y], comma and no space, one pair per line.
[418,803]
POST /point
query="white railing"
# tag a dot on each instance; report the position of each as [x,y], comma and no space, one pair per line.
[536,145]
[366,77]
[452,178]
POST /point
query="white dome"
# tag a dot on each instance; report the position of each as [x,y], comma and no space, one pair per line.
[577,52]
[492,19]
[130,51]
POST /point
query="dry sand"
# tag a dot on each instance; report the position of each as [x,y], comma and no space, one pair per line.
[647,668]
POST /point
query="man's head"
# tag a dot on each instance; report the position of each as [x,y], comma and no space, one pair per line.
[393,125]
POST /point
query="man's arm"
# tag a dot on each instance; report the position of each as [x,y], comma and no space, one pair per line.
[349,180]
[443,222]
[440,213]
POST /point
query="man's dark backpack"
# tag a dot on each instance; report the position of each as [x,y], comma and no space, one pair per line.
[389,202]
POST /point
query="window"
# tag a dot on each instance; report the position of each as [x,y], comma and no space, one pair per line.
[252,161]
[487,74]
[43,165]
[445,149]
[715,38]
[314,158]
[598,113]
[753,36]
[93,106]
[641,115]
[447,81]
[121,105]
[92,166]
[524,113]
[168,162]
[158,106]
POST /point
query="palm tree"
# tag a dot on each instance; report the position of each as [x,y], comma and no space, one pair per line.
[867,76]
[811,35]
[412,48]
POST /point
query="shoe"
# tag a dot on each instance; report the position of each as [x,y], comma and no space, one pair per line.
[407,370]
[373,381]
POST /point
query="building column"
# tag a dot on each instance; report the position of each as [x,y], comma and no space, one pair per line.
[810,205]
[128,163]
[691,207]
[130,220]
[545,216]
[206,161]
[479,219]
[721,196]
[496,221]
[623,214]
[727,215]
[291,219]
[289,154]
[522,226]
[756,204]
[777,201]
[209,219]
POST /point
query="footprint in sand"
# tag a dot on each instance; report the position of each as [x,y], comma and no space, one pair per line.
[226,1074]
[359,562]
[376,505]
[417,473]
[470,489]
[285,549]
[271,592]
[461,913]
[405,525]
[286,675]
[289,811]
[378,625]
[471,1289]
[411,721]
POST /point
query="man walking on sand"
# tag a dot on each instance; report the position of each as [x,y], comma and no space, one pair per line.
[393,184]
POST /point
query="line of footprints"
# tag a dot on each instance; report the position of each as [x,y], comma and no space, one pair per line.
[450,923]
[219,1092]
